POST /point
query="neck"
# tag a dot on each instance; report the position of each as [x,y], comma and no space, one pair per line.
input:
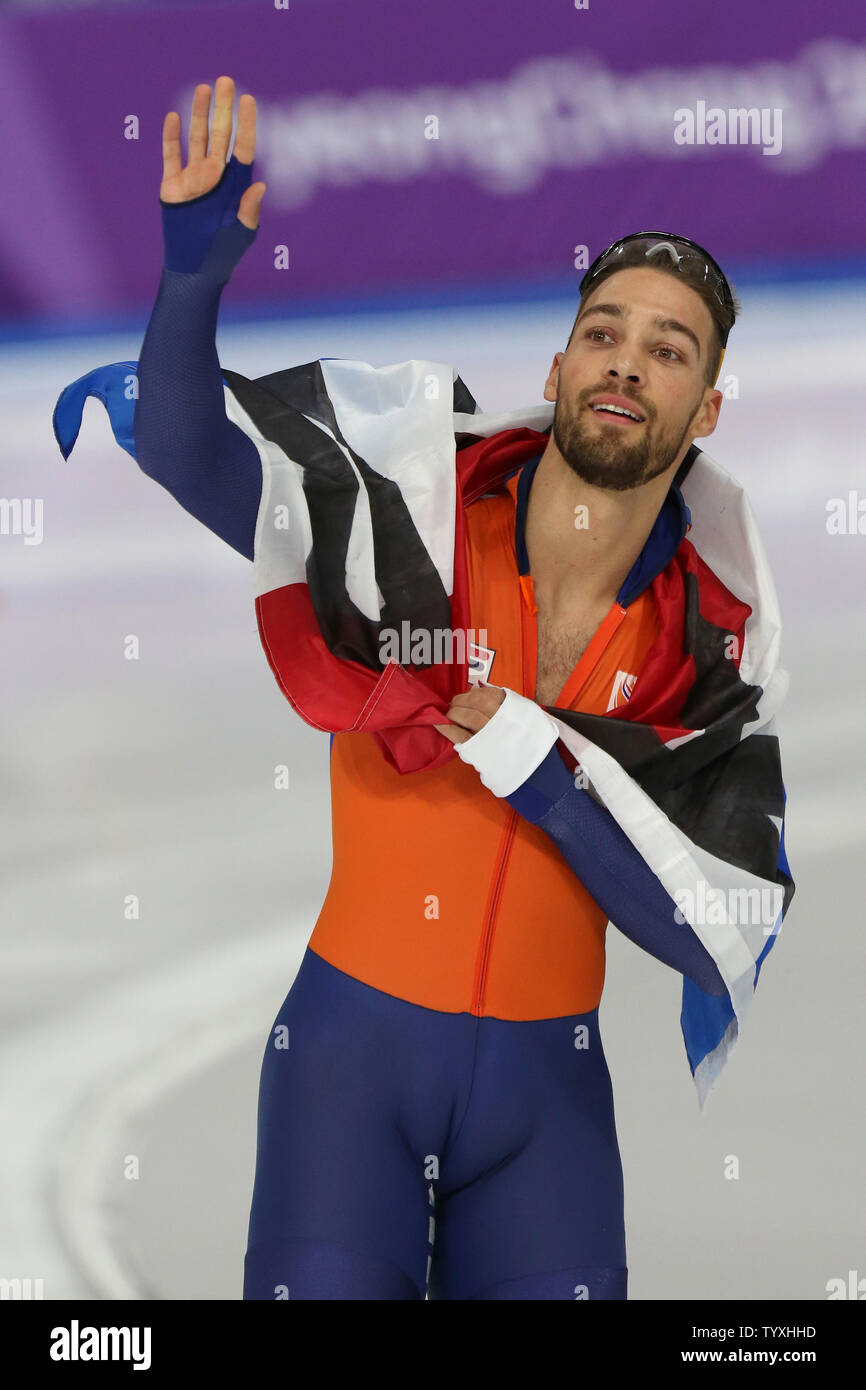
[592,558]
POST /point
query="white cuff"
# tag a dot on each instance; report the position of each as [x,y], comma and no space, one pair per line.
[512,744]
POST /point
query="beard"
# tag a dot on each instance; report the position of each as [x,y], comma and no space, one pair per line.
[603,455]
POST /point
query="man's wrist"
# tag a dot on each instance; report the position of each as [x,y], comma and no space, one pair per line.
[195,228]
[544,788]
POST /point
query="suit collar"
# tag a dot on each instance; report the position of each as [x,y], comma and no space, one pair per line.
[668,530]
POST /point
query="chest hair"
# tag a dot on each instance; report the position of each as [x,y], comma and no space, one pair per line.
[561,644]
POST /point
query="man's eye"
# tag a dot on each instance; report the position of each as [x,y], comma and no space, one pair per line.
[673,355]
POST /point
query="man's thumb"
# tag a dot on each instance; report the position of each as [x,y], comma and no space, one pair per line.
[250,206]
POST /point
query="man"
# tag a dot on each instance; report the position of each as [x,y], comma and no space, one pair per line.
[633,388]
[435,1110]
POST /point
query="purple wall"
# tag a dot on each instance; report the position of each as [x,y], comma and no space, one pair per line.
[556,130]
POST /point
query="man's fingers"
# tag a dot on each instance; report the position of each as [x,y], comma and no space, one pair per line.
[245,136]
[481,697]
[198,123]
[223,114]
[452,732]
[471,711]
[465,717]
[172,162]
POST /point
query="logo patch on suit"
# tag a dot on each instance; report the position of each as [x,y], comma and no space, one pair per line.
[480,660]
[622,689]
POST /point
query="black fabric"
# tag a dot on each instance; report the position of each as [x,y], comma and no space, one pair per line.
[409,582]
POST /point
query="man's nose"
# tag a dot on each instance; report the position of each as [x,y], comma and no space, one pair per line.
[623,369]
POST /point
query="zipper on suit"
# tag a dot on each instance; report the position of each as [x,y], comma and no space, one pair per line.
[499,878]
[504,849]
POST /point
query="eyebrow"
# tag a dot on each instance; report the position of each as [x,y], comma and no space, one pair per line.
[667,325]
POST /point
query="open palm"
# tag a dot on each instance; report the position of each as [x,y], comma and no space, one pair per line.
[206,165]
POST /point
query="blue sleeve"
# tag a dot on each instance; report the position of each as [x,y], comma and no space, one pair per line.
[616,875]
[183,438]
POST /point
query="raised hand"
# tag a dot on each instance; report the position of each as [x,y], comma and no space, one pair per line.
[207,164]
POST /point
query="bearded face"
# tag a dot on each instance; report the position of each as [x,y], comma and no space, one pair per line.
[612,451]
[643,338]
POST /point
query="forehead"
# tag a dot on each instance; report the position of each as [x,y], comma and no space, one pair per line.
[648,293]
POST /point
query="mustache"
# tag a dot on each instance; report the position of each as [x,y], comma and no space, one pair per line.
[607,390]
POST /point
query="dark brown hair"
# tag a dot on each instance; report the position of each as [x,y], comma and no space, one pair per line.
[723,318]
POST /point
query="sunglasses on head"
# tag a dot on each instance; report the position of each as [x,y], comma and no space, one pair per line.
[681,251]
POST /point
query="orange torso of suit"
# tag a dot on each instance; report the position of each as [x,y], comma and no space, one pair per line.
[441,893]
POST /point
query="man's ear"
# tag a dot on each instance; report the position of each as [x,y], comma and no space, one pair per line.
[707,416]
[550,386]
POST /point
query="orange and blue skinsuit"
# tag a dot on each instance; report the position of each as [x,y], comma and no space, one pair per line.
[447,1121]
[435,1110]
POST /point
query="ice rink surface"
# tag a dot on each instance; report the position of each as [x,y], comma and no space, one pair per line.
[131,1047]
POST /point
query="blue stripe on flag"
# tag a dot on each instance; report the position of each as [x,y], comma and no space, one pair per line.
[116,386]
[705,1018]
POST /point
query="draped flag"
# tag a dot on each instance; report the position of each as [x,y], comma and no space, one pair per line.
[366,475]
